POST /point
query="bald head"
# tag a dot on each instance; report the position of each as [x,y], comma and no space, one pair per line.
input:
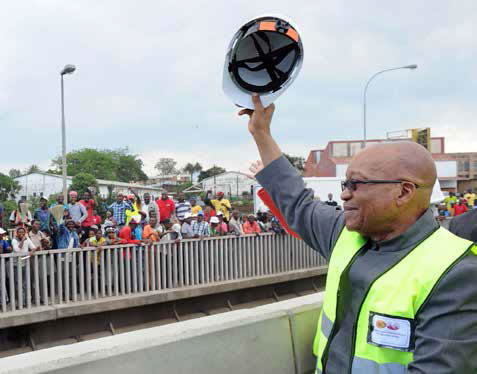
[399,160]
[410,173]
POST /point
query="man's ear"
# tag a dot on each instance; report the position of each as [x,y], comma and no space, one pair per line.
[408,191]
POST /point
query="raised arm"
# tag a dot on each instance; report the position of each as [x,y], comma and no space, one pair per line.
[317,223]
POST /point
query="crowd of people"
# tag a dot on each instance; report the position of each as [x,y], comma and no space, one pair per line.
[130,219]
[455,204]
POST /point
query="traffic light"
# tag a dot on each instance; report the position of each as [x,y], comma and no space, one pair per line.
[422,137]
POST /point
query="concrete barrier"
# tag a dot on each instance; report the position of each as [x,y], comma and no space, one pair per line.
[275,338]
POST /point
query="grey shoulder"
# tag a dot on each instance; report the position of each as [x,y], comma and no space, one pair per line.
[458,283]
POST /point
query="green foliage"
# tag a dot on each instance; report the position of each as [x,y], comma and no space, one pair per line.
[13,173]
[192,168]
[9,206]
[8,187]
[82,181]
[116,165]
[32,169]
[296,161]
[166,166]
[214,170]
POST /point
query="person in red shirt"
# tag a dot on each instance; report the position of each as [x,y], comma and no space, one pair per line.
[166,207]
[89,204]
[126,232]
[126,236]
[96,218]
[460,207]
[251,226]
[209,212]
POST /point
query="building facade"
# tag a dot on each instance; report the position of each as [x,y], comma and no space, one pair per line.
[333,160]
[231,183]
[46,184]
[466,170]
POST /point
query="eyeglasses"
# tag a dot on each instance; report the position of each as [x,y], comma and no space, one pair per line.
[351,184]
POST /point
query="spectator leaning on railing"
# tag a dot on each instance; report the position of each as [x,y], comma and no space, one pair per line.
[200,228]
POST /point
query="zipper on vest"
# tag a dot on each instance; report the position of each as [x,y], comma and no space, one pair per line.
[324,357]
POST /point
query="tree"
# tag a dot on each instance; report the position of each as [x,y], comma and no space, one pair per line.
[214,170]
[13,173]
[83,181]
[296,161]
[192,168]
[166,166]
[116,165]
[8,187]
[32,169]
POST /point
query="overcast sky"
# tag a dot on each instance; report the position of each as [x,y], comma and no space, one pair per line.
[149,76]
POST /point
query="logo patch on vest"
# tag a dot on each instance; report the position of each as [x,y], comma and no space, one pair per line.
[391,332]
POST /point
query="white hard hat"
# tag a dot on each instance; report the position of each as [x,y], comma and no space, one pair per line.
[264,57]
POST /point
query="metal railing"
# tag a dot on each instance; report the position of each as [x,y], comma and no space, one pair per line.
[74,275]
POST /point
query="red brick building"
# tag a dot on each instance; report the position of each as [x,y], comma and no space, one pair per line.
[333,160]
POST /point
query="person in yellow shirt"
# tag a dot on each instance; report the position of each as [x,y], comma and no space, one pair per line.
[196,208]
[449,200]
[222,205]
[470,197]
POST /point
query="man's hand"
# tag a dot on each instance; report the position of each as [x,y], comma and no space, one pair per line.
[259,127]
[260,118]
[255,168]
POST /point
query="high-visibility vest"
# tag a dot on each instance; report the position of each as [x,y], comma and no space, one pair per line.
[388,312]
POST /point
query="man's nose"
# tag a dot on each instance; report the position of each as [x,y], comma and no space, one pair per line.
[346,195]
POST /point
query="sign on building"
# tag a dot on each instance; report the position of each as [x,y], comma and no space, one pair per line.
[422,137]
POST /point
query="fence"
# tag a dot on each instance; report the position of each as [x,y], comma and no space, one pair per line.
[74,275]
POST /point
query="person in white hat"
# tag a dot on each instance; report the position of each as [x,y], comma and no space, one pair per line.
[186,229]
[214,223]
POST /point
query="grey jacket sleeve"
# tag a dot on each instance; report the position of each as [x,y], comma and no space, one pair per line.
[318,224]
[446,332]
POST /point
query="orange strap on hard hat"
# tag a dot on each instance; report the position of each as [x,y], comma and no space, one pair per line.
[272,26]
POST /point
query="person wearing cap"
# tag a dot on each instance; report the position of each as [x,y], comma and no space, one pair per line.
[400,292]
[200,228]
[4,241]
[43,215]
[166,207]
[251,226]
[214,223]
[186,229]
[127,231]
[222,205]
[77,211]
[111,238]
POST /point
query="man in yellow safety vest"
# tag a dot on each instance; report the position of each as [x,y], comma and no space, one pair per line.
[401,295]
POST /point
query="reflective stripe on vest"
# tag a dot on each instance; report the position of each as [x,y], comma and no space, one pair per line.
[399,292]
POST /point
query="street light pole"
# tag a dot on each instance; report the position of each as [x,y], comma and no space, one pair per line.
[68,69]
[412,67]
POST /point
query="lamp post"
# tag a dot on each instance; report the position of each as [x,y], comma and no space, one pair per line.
[68,69]
[412,67]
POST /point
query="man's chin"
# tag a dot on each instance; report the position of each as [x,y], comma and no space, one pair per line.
[351,225]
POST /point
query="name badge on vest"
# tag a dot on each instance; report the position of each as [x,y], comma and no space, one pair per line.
[391,332]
